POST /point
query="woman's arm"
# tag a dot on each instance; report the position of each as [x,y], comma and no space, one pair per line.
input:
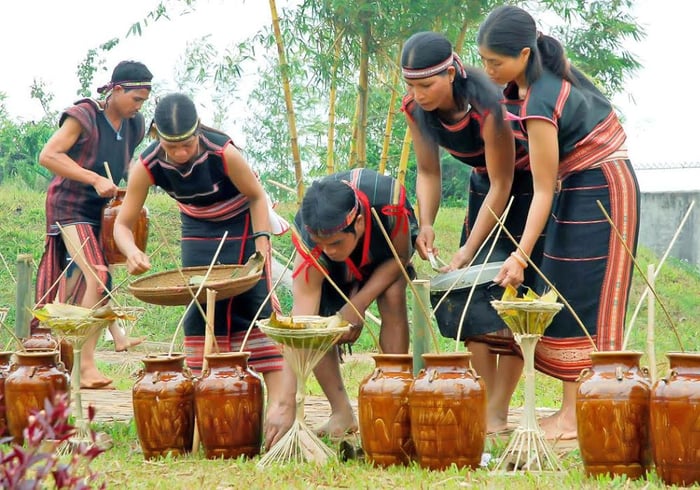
[54,156]
[544,162]
[245,181]
[428,188]
[499,149]
[136,192]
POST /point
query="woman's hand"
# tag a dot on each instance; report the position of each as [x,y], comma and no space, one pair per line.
[105,187]
[459,259]
[138,263]
[512,272]
[425,241]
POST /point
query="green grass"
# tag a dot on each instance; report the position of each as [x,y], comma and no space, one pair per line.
[21,232]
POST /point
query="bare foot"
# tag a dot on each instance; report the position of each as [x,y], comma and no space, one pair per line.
[278,421]
[123,344]
[559,426]
[91,378]
[338,425]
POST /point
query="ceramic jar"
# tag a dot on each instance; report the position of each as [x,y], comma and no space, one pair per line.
[109,215]
[34,377]
[5,357]
[41,339]
[612,414]
[447,407]
[228,404]
[163,399]
[382,403]
[675,421]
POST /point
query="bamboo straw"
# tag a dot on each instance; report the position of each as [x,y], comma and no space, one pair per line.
[65,269]
[630,324]
[14,337]
[176,261]
[267,298]
[92,271]
[300,240]
[9,271]
[651,313]
[281,186]
[199,290]
[424,310]
[641,272]
[109,172]
[545,279]
[476,280]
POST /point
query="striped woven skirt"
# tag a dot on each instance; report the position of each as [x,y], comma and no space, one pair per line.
[588,264]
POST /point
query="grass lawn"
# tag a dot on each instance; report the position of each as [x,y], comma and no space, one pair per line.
[21,231]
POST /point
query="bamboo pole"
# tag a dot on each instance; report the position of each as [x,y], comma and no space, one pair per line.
[641,272]
[23,311]
[544,278]
[209,342]
[363,92]
[421,288]
[409,281]
[651,353]
[403,161]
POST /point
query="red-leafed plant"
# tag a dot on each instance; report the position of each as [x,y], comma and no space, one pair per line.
[39,461]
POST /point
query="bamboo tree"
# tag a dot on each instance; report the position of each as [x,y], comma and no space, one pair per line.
[403,161]
[296,157]
[363,95]
[330,156]
[390,117]
[352,159]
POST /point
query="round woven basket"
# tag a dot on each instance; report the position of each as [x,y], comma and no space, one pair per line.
[173,288]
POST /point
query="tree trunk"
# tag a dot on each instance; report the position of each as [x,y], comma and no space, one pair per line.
[363,97]
[330,156]
[390,118]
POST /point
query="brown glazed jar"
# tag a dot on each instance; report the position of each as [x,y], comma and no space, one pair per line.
[228,401]
[612,415]
[5,357]
[382,405]
[447,404]
[34,377]
[675,421]
[163,399]
[109,215]
[42,340]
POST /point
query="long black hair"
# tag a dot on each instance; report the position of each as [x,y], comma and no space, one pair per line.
[471,86]
[508,30]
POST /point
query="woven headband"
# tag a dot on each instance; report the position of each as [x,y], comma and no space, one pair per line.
[411,73]
[349,218]
[173,138]
[127,84]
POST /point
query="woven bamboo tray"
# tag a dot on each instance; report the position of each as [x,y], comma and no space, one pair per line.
[171,288]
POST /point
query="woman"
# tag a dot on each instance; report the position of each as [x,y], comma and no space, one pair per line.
[458,108]
[577,156]
[217,192]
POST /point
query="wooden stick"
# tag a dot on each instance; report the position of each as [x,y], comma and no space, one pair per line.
[300,240]
[651,353]
[267,298]
[544,278]
[641,272]
[419,301]
[199,290]
[282,186]
[630,324]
